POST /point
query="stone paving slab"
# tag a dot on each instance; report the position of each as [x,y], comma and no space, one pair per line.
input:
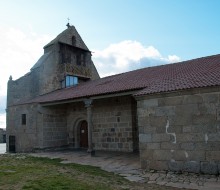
[128,166]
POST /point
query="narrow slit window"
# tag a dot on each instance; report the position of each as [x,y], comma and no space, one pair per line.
[23,119]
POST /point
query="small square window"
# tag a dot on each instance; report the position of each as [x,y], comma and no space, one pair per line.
[23,119]
[69,81]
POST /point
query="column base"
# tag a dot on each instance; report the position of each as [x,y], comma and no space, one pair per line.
[92,152]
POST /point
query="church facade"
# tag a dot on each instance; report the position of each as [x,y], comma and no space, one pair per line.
[170,114]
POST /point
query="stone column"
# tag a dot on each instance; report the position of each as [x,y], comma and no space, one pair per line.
[88,105]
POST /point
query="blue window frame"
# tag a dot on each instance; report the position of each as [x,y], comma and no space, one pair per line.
[69,81]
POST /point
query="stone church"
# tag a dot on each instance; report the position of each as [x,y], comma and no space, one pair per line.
[169,114]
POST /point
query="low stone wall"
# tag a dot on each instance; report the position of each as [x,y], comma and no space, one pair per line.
[180,133]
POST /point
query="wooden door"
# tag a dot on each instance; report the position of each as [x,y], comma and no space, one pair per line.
[84,135]
[11,143]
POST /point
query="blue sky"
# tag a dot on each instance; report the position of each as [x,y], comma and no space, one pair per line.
[123,34]
[187,28]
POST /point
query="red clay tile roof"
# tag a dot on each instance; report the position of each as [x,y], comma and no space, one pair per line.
[196,73]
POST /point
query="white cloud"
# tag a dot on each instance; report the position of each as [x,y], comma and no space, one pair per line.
[128,55]
[18,53]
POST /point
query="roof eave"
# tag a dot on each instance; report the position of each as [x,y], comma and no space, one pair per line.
[97,97]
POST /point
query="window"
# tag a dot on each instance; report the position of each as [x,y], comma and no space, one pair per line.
[74,41]
[83,59]
[23,119]
[80,59]
[65,58]
[69,81]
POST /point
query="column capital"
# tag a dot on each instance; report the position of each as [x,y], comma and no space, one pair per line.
[88,102]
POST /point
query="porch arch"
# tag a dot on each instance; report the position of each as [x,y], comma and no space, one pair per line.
[76,130]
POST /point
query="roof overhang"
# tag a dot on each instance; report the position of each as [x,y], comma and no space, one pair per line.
[44,104]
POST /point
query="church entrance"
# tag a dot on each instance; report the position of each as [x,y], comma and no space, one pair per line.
[84,134]
[11,143]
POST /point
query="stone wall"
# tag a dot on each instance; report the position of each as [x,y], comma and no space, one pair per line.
[54,128]
[180,132]
[113,119]
[114,124]
[23,88]
[26,136]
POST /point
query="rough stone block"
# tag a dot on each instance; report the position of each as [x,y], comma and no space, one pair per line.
[214,137]
[166,110]
[213,155]
[150,103]
[187,146]
[207,108]
[141,129]
[160,129]
[181,120]
[143,121]
[160,137]
[170,101]
[207,119]
[142,146]
[190,137]
[193,99]
[184,110]
[162,155]
[111,119]
[157,121]
[175,128]
[179,155]
[120,145]
[175,165]
[169,146]
[203,146]
[143,138]
[191,166]
[149,129]
[146,154]
[196,155]
[209,168]
[211,98]
[144,164]
[153,146]
[157,165]
[113,146]
[187,129]
[142,112]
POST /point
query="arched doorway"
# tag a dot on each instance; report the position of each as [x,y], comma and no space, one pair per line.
[83,134]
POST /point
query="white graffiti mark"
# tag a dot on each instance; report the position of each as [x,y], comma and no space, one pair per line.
[186,154]
[206,138]
[173,134]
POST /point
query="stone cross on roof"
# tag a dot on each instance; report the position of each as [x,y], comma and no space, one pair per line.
[68,24]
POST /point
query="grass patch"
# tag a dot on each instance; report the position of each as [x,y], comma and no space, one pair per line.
[26,172]
[23,172]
